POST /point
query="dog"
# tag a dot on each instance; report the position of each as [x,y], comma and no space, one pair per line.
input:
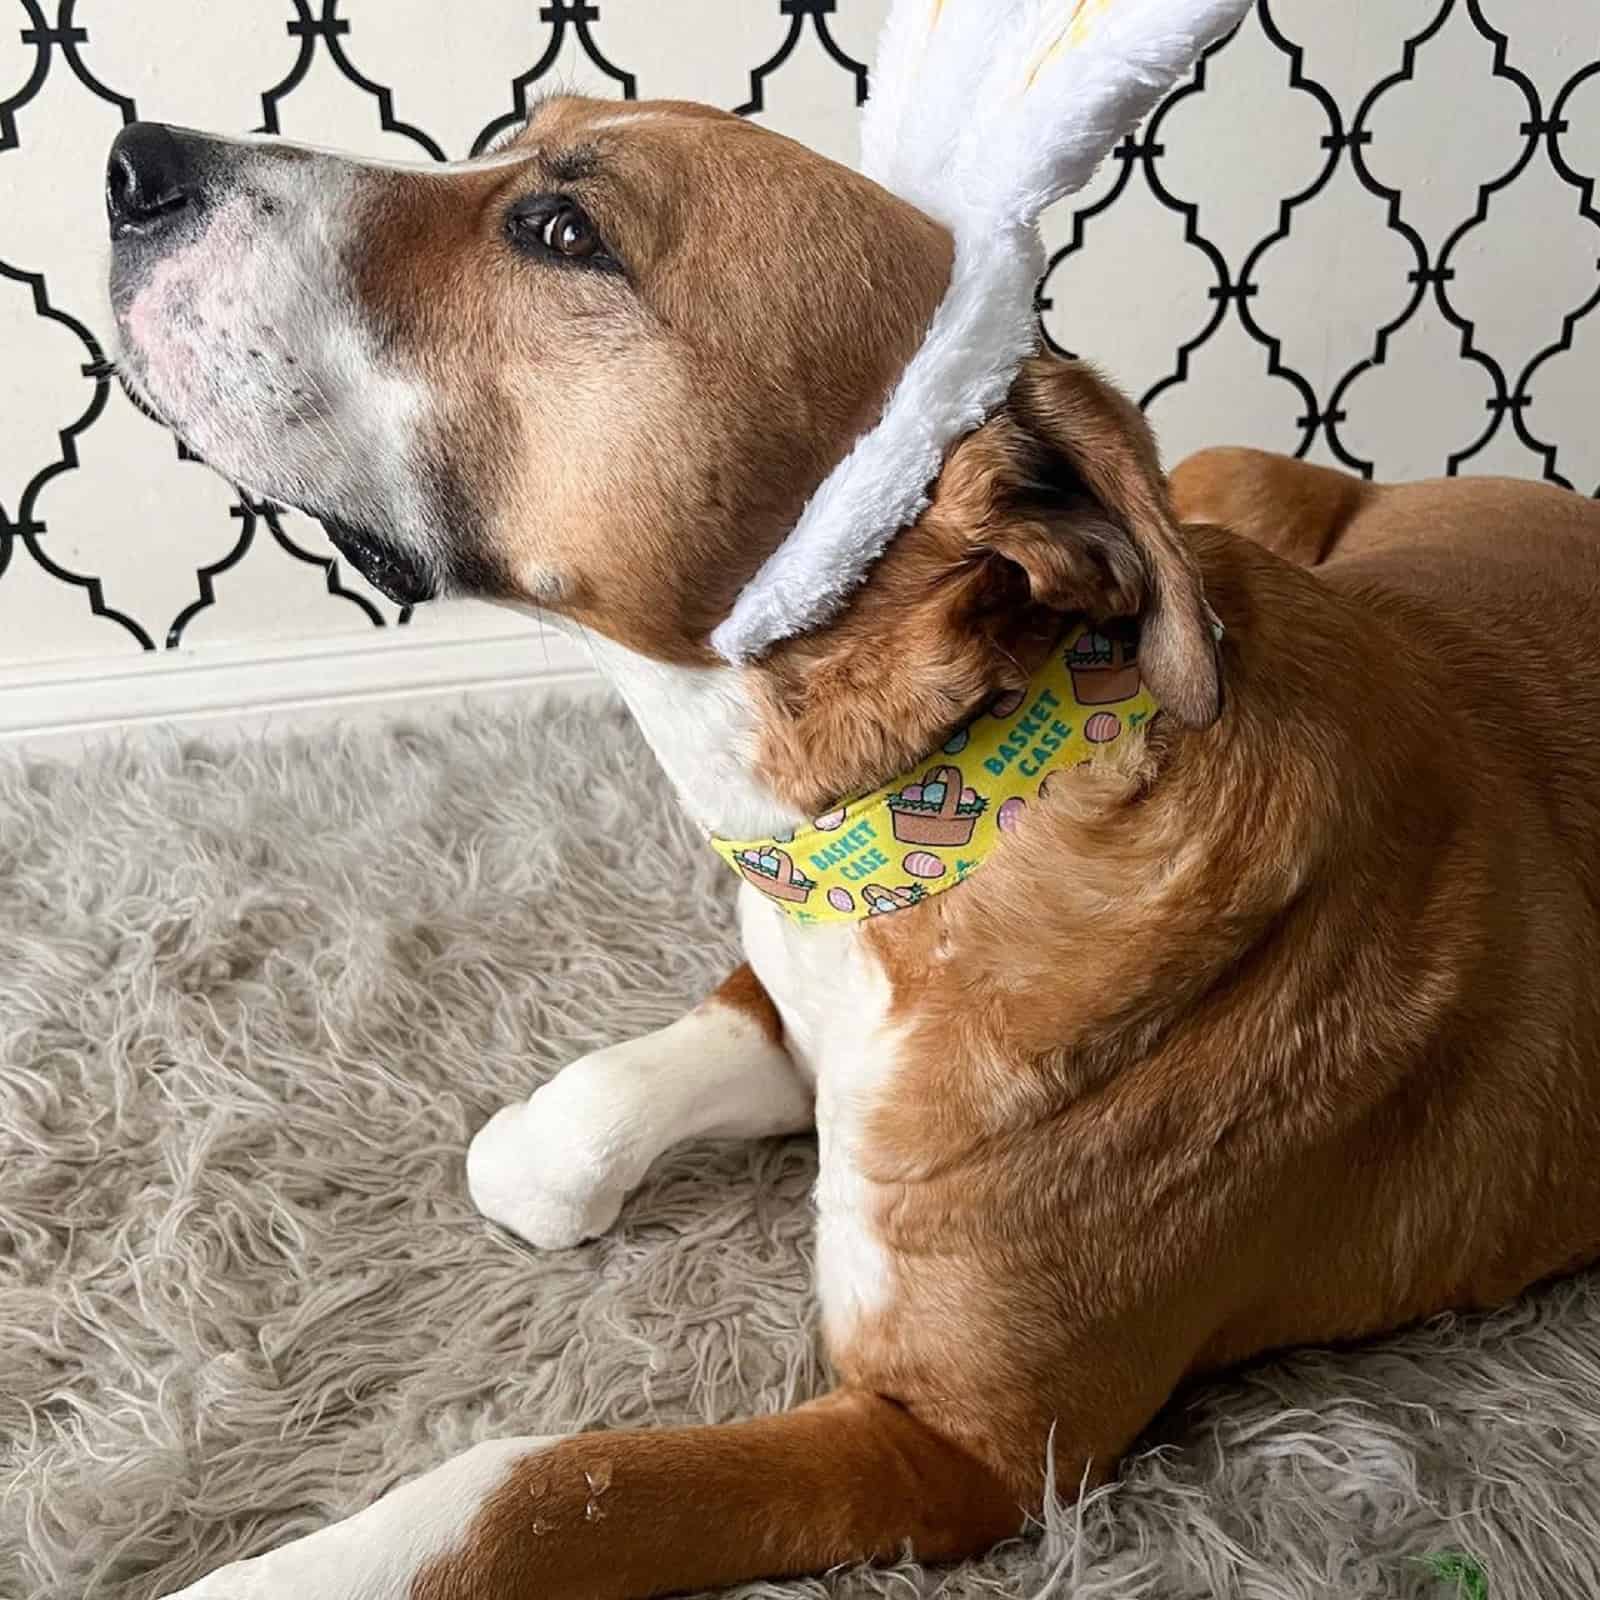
[1275,1022]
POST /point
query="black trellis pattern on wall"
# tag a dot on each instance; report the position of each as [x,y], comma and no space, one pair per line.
[324,36]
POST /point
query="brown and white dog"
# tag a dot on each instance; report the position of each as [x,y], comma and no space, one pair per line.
[1282,1026]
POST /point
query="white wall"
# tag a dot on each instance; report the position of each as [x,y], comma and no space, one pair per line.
[1405,197]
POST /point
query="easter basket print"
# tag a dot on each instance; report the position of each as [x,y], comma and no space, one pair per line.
[939,810]
[773,873]
[880,901]
[1105,666]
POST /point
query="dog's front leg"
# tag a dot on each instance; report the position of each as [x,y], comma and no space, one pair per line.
[622,1516]
[377,1553]
[557,1167]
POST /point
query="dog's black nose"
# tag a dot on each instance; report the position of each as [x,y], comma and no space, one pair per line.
[149,178]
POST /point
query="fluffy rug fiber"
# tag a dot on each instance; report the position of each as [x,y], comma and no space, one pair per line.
[254,1000]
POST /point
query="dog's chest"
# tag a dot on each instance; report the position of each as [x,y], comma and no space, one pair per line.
[833,996]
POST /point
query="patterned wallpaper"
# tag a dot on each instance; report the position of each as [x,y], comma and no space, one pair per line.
[1366,233]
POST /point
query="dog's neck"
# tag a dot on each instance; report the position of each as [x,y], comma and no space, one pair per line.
[701,723]
[930,826]
[959,797]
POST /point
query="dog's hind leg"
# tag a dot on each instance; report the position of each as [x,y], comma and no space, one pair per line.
[623,1516]
[557,1167]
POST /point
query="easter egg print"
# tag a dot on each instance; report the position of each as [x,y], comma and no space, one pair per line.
[956,743]
[1102,727]
[829,820]
[1010,813]
[1004,704]
[923,864]
[841,900]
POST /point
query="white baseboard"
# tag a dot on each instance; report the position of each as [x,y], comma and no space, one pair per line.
[52,707]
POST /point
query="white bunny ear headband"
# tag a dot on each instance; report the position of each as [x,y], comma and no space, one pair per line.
[982,113]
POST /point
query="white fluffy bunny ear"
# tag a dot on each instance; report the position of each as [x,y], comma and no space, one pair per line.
[982,113]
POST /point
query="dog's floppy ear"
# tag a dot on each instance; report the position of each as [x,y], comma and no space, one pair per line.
[1088,523]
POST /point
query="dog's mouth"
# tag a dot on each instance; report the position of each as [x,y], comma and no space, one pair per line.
[389,569]
[392,571]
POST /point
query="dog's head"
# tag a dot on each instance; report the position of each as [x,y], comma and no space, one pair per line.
[600,370]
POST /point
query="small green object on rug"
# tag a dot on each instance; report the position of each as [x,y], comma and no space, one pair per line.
[1467,1574]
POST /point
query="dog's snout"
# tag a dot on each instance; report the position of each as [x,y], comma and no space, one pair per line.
[150,178]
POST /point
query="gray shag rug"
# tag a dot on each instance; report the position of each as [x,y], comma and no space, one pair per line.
[254,1000]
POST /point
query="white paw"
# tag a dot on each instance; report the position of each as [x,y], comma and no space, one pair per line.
[538,1171]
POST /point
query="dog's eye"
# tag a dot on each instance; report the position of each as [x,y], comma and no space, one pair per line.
[552,226]
[570,233]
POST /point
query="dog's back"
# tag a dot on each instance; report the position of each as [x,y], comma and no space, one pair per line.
[1498,577]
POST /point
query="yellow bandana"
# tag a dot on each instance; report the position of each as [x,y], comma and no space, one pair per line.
[924,832]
